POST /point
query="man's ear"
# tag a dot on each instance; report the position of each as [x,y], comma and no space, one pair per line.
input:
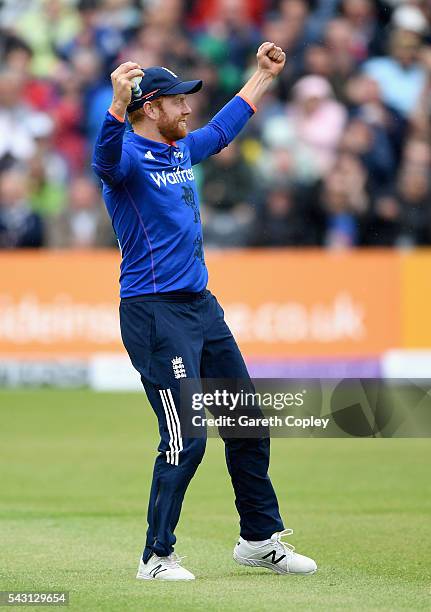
[151,111]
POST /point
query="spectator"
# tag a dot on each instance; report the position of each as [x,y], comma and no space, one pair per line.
[227,192]
[104,40]
[19,226]
[316,121]
[383,226]
[287,27]
[361,16]
[46,27]
[227,180]
[317,60]
[403,218]
[344,201]
[417,153]
[84,223]
[415,207]
[146,47]
[38,93]
[339,42]
[285,157]
[400,76]
[68,136]
[47,178]
[17,121]
[364,100]
[370,143]
[164,15]
[93,93]
[280,222]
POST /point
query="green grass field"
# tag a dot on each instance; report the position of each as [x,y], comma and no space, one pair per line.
[75,469]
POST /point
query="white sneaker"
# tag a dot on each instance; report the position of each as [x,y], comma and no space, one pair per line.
[275,555]
[163,568]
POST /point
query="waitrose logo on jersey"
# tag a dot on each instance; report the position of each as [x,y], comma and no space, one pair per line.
[172,178]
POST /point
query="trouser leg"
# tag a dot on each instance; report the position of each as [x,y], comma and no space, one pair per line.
[173,471]
[163,341]
[247,459]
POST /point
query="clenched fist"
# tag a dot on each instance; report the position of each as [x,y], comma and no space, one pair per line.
[122,83]
[270,58]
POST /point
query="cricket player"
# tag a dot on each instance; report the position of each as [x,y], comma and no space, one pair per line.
[171,325]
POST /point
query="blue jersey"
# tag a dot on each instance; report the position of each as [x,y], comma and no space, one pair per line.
[150,192]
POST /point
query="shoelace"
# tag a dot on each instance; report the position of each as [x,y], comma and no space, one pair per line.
[285,546]
[174,560]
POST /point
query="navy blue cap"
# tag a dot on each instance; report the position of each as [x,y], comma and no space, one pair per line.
[158,81]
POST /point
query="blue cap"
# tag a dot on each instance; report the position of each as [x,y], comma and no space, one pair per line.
[158,81]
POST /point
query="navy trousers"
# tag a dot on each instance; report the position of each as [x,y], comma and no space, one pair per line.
[168,337]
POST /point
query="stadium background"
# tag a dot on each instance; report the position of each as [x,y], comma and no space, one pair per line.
[337,160]
[317,224]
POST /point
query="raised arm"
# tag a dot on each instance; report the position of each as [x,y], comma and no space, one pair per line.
[230,120]
[110,162]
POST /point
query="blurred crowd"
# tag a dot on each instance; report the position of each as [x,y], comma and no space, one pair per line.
[337,156]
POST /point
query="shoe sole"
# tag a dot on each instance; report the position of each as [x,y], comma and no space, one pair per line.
[148,577]
[268,565]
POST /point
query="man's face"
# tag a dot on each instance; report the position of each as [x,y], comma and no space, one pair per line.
[405,47]
[173,114]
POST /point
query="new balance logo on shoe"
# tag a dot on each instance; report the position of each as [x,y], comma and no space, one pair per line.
[272,554]
[149,155]
[178,367]
[157,570]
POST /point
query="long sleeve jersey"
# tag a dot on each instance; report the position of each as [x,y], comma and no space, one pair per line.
[150,194]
